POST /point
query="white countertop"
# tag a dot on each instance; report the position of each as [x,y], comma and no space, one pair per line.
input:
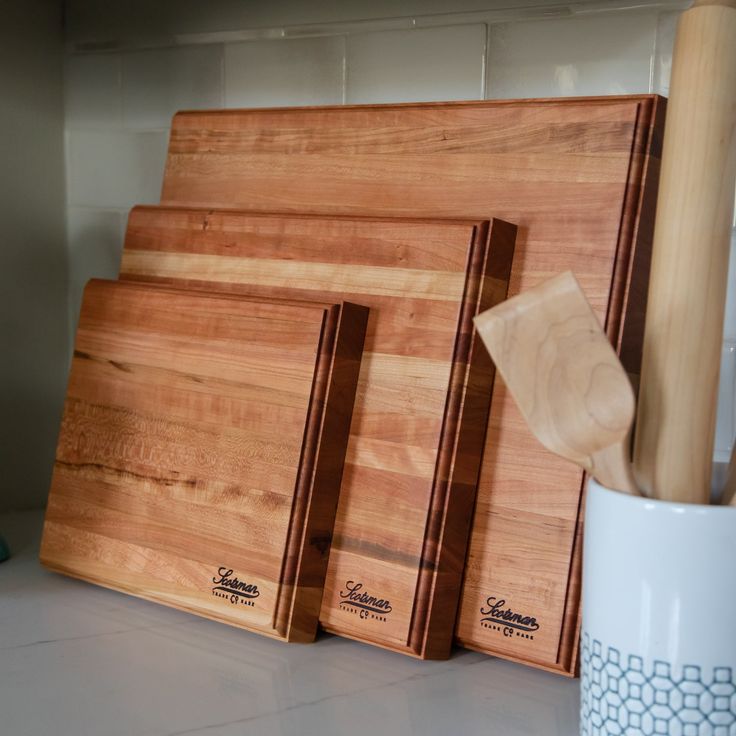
[78,660]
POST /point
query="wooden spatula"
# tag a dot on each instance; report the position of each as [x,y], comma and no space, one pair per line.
[566,378]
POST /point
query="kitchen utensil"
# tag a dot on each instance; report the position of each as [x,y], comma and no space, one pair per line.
[412,461]
[201,451]
[565,377]
[578,177]
[675,427]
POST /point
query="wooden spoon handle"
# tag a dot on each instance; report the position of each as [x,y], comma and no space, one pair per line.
[682,344]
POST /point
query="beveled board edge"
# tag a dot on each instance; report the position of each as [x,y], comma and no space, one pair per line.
[461,449]
[327,440]
[506,102]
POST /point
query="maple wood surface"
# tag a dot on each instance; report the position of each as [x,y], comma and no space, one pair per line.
[579,178]
[414,450]
[201,448]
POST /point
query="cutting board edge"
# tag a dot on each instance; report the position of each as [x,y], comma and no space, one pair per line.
[557,669]
[270,214]
[132,591]
[612,99]
[338,399]
[435,640]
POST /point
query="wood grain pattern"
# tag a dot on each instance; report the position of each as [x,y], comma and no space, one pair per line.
[565,377]
[675,430]
[578,176]
[414,450]
[202,444]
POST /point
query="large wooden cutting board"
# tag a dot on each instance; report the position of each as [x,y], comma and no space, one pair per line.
[414,451]
[578,176]
[201,451]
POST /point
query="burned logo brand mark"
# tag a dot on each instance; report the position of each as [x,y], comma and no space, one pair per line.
[232,589]
[507,621]
[362,604]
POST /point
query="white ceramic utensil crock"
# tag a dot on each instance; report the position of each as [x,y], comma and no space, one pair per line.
[659,617]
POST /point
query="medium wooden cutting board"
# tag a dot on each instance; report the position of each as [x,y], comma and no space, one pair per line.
[201,451]
[578,176]
[414,450]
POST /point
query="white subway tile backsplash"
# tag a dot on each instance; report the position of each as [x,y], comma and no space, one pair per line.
[726,421]
[443,63]
[159,82]
[95,246]
[601,54]
[92,90]
[114,168]
[666,28]
[303,71]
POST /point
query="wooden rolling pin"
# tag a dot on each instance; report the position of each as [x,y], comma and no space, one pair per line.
[673,449]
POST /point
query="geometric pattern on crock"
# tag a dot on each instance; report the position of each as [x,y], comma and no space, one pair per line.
[623,696]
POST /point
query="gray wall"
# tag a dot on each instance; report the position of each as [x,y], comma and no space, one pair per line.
[34,329]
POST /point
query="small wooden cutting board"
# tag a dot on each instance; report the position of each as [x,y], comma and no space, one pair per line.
[201,451]
[412,462]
